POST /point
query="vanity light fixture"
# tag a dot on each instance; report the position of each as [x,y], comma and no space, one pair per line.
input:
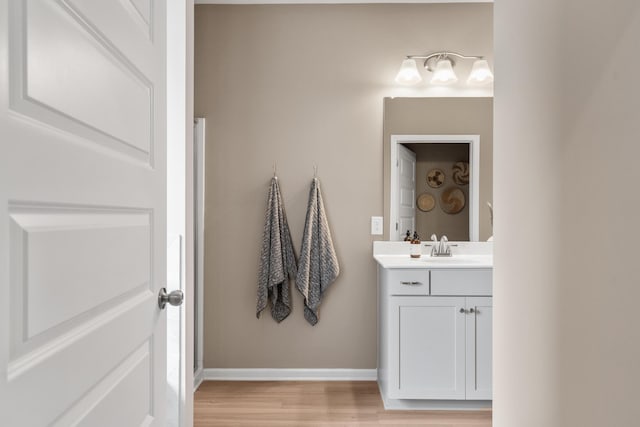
[408,74]
[441,64]
[480,73]
[444,74]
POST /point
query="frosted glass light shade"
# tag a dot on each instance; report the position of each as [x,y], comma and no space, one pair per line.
[408,74]
[480,73]
[443,74]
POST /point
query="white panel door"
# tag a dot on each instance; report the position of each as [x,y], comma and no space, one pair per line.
[406,191]
[430,342]
[479,342]
[82,212]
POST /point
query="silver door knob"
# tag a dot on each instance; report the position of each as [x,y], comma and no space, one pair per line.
[173,298]
[462,310]
[471,310]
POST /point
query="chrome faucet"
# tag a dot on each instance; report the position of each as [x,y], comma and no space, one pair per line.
[441,248]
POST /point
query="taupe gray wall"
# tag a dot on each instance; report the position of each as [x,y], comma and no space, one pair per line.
[302,85]
[444,116]
[566,287]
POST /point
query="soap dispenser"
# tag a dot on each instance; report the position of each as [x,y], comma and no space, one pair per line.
[416,249]
[408,238]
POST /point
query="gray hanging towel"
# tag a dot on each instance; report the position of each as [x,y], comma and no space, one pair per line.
[318,265]
[277,261]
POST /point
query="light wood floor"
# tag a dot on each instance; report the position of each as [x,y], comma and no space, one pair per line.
[317,403]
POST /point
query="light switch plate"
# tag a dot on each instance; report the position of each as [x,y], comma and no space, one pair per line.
[376,225]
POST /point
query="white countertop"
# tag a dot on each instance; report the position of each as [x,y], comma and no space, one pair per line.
[425,261]
[465,255]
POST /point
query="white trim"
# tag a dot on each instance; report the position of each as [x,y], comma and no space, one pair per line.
[198,377]
[333,1]
[199,194]
[290,374]
[179,69]
[433,405]
[474,187]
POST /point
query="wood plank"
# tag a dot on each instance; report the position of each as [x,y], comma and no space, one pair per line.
[313,403]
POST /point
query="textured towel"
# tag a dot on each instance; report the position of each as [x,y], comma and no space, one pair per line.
[277,261]
[318,264]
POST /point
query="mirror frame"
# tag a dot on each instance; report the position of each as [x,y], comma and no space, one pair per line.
[474,186]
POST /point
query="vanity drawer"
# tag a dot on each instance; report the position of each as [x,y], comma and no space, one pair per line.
[462,282]
[408,282]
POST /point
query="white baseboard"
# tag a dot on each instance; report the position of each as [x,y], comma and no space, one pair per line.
[198,377]
[290,374]
[431,405]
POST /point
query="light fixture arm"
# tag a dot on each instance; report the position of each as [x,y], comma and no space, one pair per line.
[432,58]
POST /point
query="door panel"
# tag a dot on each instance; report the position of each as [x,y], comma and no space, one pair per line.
[62,64]
[479,348]
[111,399]
[134,18]
[431,339]
[82,212]
[59,251]
[406,191]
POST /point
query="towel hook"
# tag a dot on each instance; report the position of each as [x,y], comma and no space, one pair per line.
[315,171]
[275,167]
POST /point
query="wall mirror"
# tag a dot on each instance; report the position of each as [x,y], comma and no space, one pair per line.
[438,173]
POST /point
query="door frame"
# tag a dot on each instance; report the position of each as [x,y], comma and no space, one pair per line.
[398,193]
[180,77]
[474,166]
[199,200]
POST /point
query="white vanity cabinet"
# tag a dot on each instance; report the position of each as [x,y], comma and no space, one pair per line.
[435,334]
[429,336]
[478,347]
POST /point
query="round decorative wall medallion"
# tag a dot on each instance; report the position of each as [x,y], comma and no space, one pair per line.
[452,200]
[426,202]
[435,178]
[461,173]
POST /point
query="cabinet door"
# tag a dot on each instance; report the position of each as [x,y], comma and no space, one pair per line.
[431,348]
[479,342]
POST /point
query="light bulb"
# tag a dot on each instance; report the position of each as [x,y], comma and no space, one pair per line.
[408,74]
[480,73]
[444,74]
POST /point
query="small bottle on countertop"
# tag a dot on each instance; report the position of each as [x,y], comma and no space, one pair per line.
[416,248]
[408,238]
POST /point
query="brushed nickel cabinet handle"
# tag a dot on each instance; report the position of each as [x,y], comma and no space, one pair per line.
[411,283]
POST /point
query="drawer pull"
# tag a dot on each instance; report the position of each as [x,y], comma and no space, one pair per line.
[411,283]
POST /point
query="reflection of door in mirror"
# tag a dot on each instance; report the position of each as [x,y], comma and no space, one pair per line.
[406,192]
